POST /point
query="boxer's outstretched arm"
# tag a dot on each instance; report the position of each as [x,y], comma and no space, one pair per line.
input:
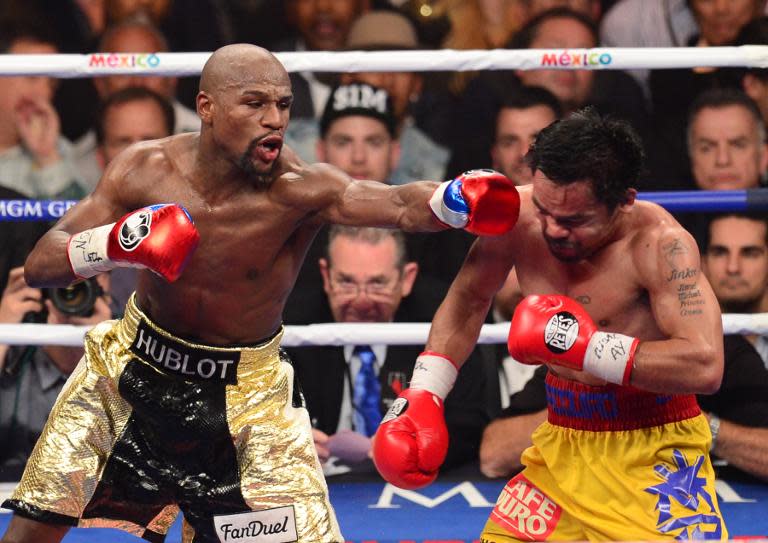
[483,202]
[687,313]
[457,322]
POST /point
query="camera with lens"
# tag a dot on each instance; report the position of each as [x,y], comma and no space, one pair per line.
[75,300]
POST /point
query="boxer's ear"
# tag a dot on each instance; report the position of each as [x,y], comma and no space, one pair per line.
[204,107]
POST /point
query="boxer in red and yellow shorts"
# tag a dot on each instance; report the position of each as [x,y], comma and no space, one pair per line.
[612,463]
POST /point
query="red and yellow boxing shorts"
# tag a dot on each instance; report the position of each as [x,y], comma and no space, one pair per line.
[150,424]
[612,464]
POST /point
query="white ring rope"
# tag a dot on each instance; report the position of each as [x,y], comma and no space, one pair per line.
[180,64]
[601,58]
[398,333]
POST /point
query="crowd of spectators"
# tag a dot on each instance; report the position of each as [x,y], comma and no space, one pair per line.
[703,129]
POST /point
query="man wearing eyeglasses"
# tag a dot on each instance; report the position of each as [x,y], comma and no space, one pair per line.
[367,277]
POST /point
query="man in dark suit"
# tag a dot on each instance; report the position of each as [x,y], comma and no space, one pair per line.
[367,278]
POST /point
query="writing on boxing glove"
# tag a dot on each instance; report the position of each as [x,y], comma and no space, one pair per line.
[484,202]
[555,329]
[160,237]
[412,440]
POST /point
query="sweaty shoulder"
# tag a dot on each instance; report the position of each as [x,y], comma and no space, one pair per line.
[658,242]
[307,186]
[143,166]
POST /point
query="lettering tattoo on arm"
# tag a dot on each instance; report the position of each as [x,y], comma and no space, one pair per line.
[689,294]
[690,299]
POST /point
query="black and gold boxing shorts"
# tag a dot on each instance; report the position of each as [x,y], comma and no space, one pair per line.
[149,424]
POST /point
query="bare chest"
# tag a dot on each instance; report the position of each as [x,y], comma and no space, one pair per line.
[607,288]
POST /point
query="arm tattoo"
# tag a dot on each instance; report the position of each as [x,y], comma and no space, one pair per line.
[672,250]
[690,299]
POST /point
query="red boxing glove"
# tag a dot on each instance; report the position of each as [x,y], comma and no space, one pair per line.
[161,238]
[484,202]
[556,330]
[412,440]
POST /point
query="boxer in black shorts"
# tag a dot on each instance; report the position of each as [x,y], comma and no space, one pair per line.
[185,403]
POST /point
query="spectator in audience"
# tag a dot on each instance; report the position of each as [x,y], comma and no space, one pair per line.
[521,116]
[726,141]
[591,8]
[203,25]
[609,91]
[35,159]
[31,376]
[358,135]
[358,132]
[672,91]
[736,263]
[321,26]
[131,36]
[726,145]
[128,116]
[647,23]
[422,156]
[518,120]
[367,278]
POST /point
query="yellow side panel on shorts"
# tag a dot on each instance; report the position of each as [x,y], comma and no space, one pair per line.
[276,452]
[62,474]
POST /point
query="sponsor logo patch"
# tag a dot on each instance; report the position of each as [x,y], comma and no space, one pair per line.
[398,408]
[134,230]
[276,525]
[189,362]
[561,332]
[526,511]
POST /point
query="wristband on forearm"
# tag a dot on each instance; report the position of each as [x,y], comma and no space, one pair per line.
[450,208]
[610,356]
[434,372]
[87,251]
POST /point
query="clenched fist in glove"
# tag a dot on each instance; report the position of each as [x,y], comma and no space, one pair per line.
[484,202]
[555,329]
[412,440]
[161,238]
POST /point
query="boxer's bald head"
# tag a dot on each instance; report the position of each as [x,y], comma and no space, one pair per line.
[244,105]
[239,65]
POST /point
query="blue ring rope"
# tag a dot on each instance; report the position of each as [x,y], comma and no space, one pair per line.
[673,201]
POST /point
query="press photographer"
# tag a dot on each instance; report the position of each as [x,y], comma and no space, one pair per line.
[31,376]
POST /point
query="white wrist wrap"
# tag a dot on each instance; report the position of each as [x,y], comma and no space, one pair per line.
[608,355]
[434,373]
[87,251]
[456,219]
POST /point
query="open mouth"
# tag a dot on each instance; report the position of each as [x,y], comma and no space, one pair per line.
[268,148]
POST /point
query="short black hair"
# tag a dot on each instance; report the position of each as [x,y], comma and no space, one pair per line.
[718,98]
[586,146]
[748,215]
[24,28]
[524,97]
[133,94]
[523,38]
